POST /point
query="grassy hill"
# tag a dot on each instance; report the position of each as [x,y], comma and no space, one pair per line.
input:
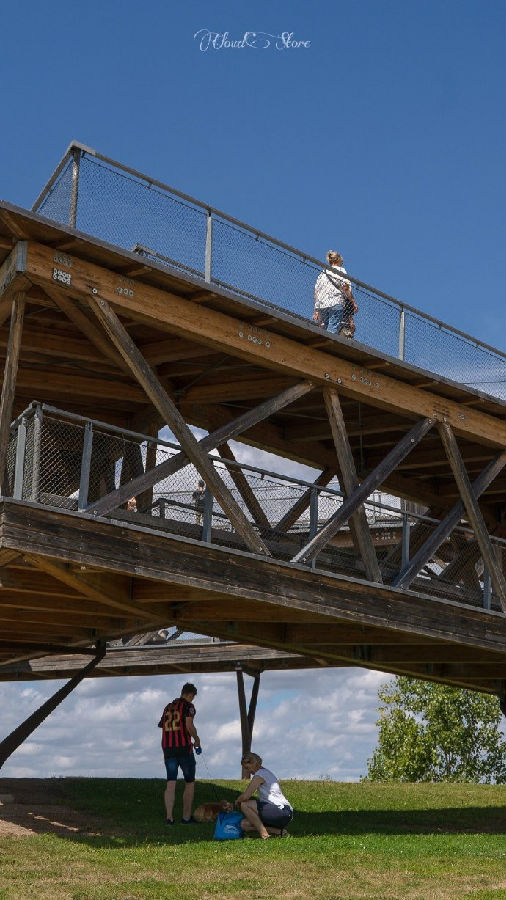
[347,841]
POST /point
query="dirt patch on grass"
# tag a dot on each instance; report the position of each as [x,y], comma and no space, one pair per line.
[38,807]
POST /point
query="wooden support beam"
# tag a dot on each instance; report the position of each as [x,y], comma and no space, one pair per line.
[89,585]
[252,708]
[245,729]
[244,488]
[173,418]
[358,520]
[272,350]
[225,432]
[360,494]
[473,511]
[9,379]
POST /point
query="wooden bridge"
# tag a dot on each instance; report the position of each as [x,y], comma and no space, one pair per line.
[103,347]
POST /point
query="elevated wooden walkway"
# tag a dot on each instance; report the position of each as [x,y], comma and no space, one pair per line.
[110,336]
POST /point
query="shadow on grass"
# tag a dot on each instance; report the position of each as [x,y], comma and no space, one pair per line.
[127,813]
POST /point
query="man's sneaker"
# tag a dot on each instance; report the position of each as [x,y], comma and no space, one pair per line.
[190,821]
[169,822]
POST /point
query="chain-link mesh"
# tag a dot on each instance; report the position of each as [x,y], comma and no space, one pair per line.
[56,203]
[125,211]
[69,463]
[441,350]
[129,210]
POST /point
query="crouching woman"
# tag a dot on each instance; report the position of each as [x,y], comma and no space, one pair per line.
[271,812]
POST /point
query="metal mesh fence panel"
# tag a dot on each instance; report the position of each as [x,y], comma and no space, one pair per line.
[125,211]
[439,350]
[377,322]
[56,203]
[241,261]
[59,460]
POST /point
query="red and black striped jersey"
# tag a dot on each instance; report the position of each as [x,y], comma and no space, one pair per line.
[175,735]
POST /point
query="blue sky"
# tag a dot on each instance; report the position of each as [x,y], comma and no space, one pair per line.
[383,139]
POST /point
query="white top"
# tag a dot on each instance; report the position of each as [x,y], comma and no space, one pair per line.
[328,287]
[270,790]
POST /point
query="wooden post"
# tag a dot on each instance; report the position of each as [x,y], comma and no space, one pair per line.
[10,373]
[245,730]
[358,521]
[252,708]
[473,511]
[167,408]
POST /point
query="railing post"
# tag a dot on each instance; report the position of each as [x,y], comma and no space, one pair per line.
[74,194]
[19,470]
[313,518]
[402,333]
[487,589]
[84,483]
[207,516]
[209,247]
[405,540]
[37,435]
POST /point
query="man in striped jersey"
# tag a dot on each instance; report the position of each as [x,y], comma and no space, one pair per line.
[177,733]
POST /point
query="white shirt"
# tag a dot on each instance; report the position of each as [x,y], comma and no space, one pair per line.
[328,288]
[270,790]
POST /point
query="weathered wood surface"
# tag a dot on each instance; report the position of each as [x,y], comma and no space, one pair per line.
[173,659]
[238,575]
[348,476]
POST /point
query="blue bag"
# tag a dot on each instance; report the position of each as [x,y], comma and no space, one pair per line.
[228,826]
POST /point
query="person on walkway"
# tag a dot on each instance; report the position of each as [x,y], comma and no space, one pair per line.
[271,812]
[178,730]
[198,498]
[334,304]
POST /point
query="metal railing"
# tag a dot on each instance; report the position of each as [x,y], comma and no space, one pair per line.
[65,461]
[108,200]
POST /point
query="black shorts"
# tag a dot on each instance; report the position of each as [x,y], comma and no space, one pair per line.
[275,816]
[183,761]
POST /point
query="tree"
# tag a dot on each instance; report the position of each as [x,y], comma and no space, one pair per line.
[431,732]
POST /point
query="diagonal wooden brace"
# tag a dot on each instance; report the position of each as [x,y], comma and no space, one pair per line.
[180,460]
[359,526]
[364,490]
[245,490]
[473,510]
[405,577]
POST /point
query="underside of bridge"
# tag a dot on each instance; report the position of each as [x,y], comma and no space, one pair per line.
[102,348]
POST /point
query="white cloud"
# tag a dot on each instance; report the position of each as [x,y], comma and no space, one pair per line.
[309,724]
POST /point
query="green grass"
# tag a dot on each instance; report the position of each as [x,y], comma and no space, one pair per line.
[347,842]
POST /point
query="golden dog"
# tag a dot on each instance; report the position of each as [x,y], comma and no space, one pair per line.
[208,812]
